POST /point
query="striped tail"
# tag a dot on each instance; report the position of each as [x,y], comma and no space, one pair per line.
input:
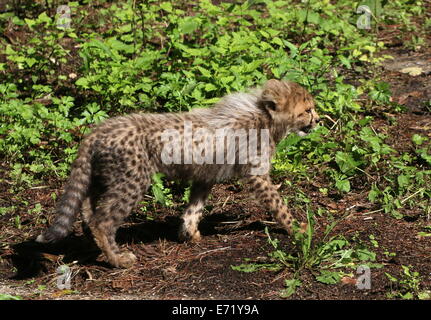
[74,194]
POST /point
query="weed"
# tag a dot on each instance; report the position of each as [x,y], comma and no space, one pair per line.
[407,286]
[9,297]
[325,258]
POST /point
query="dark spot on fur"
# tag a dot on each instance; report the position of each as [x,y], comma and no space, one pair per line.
[132,186]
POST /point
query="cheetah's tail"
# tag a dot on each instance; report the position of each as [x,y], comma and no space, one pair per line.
[70,203]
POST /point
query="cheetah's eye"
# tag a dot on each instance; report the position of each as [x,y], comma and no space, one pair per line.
[308,110]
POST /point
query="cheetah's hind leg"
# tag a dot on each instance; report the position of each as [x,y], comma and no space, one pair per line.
[113,207]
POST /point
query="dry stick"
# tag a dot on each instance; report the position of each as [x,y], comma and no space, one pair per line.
[214,250]
[374,211]
[38,187]
[374,130]
[428,210]
[268,222]
[90,276]
[333,121]
[228,197]
[368,175]
[420,190]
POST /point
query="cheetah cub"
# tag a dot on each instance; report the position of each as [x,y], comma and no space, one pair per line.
[235,138]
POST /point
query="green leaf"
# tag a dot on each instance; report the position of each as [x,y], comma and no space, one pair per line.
[374,193]
[391,277]
[245,268]
[9,297]
[167,6]
[291,286]
[313,17]
[119,45]
[374,5]
[264,34]
[425,295]
[161,194]
[345,162]
[292,47]
[211,101]
[425,154]
[158,194]
[364,254]
[329,277]
[407,296]
[278,41]
[210,87]
[204,72]
[30,61]
[43,18]
[345,61]
[343,185]
[403,181]
[9,50]
[290,141]
[83,82]
[226,80]
[188,25]
[424,234]
[95,43]
[418,139]
[30,23]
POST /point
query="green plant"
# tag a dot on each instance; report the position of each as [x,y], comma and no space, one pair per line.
[9,297]
[161,193]
[4,210]
[325,258]
[407,286]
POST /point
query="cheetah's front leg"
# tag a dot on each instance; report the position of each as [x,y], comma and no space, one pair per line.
[268,194]
[192,215]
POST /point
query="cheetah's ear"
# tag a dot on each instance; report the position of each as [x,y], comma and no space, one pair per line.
[269,105]
[274,95]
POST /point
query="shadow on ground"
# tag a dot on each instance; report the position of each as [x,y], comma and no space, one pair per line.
[30,258]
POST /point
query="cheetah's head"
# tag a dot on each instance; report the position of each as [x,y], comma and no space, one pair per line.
[291,105]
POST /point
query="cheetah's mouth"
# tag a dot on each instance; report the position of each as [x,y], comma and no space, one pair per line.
[304,131]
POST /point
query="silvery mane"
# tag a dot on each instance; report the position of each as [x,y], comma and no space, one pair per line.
[231,108]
